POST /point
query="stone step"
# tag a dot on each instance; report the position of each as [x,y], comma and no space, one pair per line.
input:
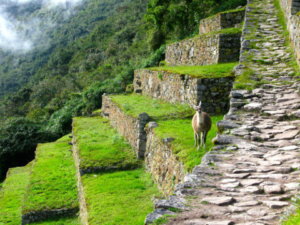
[207,49]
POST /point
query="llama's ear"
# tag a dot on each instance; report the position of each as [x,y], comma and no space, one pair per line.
[195,107]
[200,103]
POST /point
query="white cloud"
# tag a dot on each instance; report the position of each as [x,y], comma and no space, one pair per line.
[21,36]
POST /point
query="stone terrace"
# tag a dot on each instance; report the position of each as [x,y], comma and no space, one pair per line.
[222,20]
[253,172]
[205,49]
[186,89]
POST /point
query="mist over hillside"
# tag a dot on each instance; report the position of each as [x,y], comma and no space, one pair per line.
[25,23]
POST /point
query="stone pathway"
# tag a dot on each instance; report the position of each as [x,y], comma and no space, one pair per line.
[253,173]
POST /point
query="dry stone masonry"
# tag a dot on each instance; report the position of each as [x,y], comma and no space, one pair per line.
[253,172]
[291,10]
[213,92]
[133,129]
[222,21]
[160,161]
[204,50]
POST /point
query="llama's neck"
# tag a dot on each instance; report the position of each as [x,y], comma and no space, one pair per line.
[199,119]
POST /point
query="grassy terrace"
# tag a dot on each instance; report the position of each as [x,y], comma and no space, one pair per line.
[183,145]
[228,31]
[208,71]
[100,146]
[62,221]
[12,194]
[135,104]
[119,198]
[53,181]
[226,12]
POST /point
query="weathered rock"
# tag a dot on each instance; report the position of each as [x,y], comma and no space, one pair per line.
[253,106]
[173,202]
[251,182]
[222,201]
[257,212]
[275,204]
[273,189]
[287,135]
[158,213]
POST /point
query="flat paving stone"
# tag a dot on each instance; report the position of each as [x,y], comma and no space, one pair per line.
[275,204]
[219,200]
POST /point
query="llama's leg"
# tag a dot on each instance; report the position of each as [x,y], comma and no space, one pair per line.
[195,139]
[199,140]
[204,139]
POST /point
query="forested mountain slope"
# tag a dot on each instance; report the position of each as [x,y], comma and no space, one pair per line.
[87,51]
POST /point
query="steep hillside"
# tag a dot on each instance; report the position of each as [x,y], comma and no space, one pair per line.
[92,51]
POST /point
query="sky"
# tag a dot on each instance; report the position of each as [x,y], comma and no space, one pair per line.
[21,36]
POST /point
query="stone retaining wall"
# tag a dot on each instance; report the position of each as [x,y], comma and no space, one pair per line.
[160,161]
[131,128]
[39,216]
[213,92]
[221,21]
[83,213]
[291,8]
[205,50]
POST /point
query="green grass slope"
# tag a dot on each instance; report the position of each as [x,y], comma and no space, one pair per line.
[12,194]
[100,146]
[53,180]
[123,197]
[135,104]
[183,145]
[208,71]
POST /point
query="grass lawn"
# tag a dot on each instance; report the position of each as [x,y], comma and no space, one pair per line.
[135,104]
[11,196]
[183,145]
[63,221]
[294,218]
[119,198]
[53,180]
[208,71]
[101,146]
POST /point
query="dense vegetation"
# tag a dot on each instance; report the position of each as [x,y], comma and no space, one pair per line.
[93,52]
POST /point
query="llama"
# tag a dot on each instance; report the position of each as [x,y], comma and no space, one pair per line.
[201,124]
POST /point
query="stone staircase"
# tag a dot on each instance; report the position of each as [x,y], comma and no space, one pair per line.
[252,174]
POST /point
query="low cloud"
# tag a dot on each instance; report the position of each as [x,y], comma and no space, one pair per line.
[18,33]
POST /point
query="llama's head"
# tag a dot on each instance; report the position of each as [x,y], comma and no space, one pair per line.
[198,108]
